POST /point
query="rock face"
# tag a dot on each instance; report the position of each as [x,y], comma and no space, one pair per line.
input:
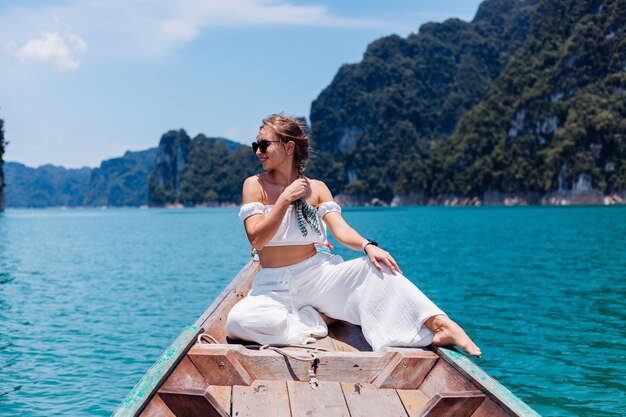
[375,123]
[552,129]
[215,171]
[526,104]
[166,175]
[199,171]
[121,181]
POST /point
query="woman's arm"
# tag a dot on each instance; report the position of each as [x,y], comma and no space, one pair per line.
[350,238]
[261,229]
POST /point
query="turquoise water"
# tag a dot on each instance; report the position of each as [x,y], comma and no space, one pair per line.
[90,298]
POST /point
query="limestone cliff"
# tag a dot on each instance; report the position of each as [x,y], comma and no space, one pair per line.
[552,129]
[169,162]
[377,121]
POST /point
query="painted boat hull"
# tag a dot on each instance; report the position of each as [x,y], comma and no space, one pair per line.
[227,379]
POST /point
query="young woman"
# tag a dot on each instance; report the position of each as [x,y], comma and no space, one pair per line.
[300,289]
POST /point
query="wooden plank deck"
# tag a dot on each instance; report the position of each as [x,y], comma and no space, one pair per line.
[413,400]
[387,368]
[325,401]
[235,381]
[262,398]
[365,400]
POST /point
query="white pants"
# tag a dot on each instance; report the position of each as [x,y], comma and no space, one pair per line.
[284,302]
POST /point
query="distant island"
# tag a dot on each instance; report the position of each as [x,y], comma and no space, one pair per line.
[180,171]
[525,104]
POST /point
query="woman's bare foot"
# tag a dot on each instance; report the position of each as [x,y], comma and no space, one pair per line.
[447,332]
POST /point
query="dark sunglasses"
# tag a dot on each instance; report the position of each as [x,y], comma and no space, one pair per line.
[262,145]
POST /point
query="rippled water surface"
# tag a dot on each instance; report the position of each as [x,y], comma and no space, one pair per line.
[90,298]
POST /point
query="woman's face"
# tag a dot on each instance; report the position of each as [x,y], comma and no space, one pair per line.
[275,153]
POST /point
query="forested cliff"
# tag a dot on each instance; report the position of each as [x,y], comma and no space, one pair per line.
[45,186]
[378,120]
[117,182]
[121,181]
[555,120]
[201,170]
[527,100]
[181,170]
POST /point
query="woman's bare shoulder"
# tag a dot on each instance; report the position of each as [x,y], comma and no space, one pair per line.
[320,189]
[252,189]
[317,185]
[252,179]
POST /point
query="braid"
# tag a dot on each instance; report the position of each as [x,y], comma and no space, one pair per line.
[291,129]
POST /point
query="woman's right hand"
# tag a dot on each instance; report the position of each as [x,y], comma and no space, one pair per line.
[297,189]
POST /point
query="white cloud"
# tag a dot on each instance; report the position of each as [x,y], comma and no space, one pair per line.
[189,17]
[140,27]
[51,47]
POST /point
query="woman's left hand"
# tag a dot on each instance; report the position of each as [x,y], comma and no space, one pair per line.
[377,256]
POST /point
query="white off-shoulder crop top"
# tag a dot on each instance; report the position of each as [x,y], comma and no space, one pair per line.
[288,232]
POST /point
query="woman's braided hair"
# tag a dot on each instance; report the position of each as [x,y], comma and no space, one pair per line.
[291,129]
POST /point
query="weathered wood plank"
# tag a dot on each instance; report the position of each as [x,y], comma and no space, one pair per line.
[496,391]
[444,378]
[270,365]
[325,401]
[157,408]
[261,399]
[452,404]
[490,409]
[413,400]
[221,367]
[221,396]
[185,376]
[406,371]
[348,337]
[364,400]
[191,403]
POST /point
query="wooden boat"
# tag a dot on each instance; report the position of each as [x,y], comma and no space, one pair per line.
[341,377]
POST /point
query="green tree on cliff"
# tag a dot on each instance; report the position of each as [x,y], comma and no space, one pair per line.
[554,117]
[375,124]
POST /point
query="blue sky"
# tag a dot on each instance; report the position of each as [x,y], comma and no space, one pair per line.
[84,81]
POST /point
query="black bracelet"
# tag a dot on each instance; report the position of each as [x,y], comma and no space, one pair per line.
[369,242]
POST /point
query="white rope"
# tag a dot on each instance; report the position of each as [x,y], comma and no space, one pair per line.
[275,347]
[283,352]
[203,336]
